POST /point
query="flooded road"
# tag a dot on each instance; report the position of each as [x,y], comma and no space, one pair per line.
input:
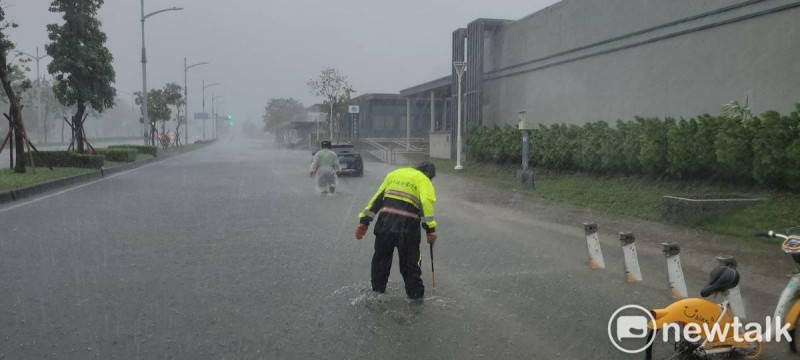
[227,253]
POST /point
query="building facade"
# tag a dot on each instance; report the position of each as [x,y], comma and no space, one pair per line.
[385,116]
[584,60]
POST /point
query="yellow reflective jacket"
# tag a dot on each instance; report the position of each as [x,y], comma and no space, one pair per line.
[405,192]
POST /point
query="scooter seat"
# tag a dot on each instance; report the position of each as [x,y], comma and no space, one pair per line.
[722,278]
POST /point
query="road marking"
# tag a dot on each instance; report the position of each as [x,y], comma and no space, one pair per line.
[28,202]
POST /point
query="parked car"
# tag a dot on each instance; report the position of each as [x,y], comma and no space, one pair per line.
[349,158]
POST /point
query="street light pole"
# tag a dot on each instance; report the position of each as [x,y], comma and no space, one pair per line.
[38,84]
[204,104]
[219,105]
[144,66]
[459,66]
[214,111]
[186,97]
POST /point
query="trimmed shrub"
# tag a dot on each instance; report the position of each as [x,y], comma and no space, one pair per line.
[591,139]
[733,147]
[707,127]
[511,140]
[87,161]
[66,159]
[611,151]
[535,146]
[773,137]
[653,145]
[630,134]
[734,150]
[119,154]
[141,149]
[682,149]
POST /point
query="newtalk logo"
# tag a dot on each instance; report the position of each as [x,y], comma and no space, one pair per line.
[632,322]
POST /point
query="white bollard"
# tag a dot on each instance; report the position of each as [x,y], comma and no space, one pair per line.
[734,296]
[677,284]
[632,271]
[593,242]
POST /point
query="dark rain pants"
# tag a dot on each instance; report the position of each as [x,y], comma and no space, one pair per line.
[407,245]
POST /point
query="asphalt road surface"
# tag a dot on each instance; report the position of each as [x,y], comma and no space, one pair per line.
[227,253]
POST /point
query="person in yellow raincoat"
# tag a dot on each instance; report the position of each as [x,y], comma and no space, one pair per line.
[403,203]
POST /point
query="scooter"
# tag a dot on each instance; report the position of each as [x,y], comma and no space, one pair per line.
[700,311]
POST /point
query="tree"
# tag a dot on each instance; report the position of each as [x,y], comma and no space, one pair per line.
[82,65]
[282,110]
[334,87]
[157,110]
[8,75]
[173,96]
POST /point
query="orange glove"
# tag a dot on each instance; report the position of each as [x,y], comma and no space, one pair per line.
[361,230]
[432,238]
[311,174]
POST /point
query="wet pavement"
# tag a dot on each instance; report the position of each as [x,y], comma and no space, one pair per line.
[227,253]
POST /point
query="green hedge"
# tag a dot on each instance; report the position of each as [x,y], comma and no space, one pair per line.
[763,149]
[119,154]
[66,159]
[142,149]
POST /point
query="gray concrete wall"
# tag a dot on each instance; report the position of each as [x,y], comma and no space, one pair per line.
[657,73]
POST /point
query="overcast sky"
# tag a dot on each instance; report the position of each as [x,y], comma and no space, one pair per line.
[262,49]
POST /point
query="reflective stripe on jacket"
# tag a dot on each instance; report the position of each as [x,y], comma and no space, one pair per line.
[407,186]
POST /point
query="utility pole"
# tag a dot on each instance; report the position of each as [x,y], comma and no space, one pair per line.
[186,97]
[144,66]
[214,112]
[459,66]
[204,104]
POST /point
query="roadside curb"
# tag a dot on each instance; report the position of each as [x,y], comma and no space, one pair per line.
[21,193]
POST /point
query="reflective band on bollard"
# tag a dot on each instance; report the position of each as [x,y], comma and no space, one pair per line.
[632,271]
[593,243]
[677,284]
[734,296]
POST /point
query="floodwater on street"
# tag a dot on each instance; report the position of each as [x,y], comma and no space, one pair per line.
[227,252]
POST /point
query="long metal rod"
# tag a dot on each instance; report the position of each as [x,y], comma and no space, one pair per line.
[145,117]
[186,96]
[433,277]
[213,115]
[204,109]
[458,128]
[204,104]
[214,112]
[185,104]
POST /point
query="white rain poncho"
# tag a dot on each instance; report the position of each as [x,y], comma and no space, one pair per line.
[325,164]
